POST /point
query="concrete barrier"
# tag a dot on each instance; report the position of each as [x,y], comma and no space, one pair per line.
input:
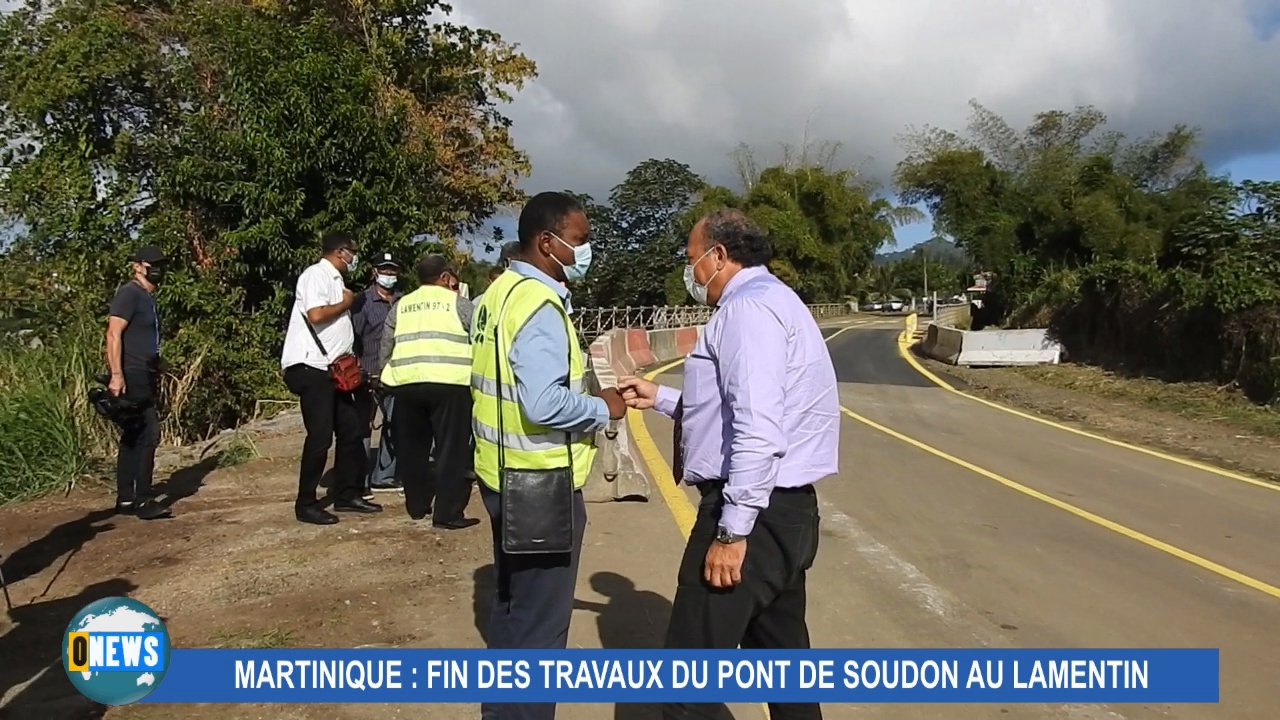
[1008,347]
[990,348]
[943,343]
[618,473]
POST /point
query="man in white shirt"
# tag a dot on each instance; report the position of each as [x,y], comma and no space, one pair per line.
[320,332]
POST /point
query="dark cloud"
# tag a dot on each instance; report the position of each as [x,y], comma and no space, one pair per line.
[631,79]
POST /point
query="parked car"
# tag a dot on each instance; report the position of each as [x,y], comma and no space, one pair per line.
[894,306]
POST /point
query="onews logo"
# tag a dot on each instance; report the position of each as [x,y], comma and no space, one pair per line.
[116,651]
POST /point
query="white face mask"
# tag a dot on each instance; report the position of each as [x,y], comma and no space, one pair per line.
[697,291]
[581,260]
[387,281]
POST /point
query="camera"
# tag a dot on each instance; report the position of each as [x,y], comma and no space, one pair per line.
[115,409]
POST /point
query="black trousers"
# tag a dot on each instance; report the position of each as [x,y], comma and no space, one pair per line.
[139,438]
[532,603]
[433,415]
[328,416]
[766,611]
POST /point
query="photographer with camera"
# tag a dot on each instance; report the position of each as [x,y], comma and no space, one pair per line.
[133,359]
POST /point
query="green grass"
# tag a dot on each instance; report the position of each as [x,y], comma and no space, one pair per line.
[49,435]
[1194,401]
[239,449]
[253,639]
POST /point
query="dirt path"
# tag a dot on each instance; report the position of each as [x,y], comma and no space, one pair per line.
[232,568]
[1187,419]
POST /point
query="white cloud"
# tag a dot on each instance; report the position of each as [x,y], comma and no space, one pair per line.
[625,80]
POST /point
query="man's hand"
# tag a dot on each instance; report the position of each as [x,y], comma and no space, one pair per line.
[638,392]
[116,386]
[617,407]
[723,567]
[348,297]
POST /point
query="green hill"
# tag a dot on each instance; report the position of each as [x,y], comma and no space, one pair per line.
[938,249]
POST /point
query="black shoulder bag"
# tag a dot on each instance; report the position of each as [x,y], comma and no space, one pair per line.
[537,505]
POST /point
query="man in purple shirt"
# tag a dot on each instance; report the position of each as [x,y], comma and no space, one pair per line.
[760,420]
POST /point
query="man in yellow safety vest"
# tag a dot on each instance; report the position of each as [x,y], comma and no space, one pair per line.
[426,366]
[532,422]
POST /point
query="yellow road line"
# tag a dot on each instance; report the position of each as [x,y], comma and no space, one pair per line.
[684,512]
[904,345]
[1130,533]
[677,502]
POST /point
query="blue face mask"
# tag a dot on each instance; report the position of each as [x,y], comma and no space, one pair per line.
[697,290]
[581,260]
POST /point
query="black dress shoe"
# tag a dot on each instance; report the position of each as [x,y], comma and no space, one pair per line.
[314,516]
[151,510]
[459,524]
[359,505]
[144,508]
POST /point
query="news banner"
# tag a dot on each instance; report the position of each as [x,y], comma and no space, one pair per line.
[116,651]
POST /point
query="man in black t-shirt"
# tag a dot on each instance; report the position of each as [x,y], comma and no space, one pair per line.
[133,356]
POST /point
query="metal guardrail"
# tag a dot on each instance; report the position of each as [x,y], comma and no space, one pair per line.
[594,322]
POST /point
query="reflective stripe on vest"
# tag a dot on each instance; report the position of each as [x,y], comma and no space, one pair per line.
[525,444]
[431,344]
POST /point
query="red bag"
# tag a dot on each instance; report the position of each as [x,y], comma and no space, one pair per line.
[345,371]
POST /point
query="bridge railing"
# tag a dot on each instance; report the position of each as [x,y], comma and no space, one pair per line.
[593,322]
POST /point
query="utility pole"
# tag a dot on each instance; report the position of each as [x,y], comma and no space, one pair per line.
[924,256]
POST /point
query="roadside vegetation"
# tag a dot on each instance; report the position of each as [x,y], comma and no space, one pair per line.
[1138,259]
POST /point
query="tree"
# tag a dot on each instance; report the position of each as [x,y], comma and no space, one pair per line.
[885,283]
[1129,250]
[921,273]
[639,239]
[233,134]
[825,226]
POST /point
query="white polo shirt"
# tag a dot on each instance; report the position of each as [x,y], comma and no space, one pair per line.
[318,286]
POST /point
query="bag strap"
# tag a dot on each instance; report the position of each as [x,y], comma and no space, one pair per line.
[497,369]
[315,336]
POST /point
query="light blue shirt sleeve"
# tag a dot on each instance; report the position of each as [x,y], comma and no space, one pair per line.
[751,356]
[540,360]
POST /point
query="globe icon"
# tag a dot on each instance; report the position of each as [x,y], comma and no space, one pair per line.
[116,614]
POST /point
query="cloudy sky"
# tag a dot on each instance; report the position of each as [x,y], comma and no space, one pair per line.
[624,80]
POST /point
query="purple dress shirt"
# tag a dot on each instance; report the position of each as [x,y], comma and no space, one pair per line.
[760,407]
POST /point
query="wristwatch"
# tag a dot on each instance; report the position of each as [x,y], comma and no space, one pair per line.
[725,537]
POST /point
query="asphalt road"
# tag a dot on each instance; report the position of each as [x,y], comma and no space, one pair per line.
[948,535]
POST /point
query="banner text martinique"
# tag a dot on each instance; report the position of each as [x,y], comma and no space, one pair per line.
[422,675]
[660,674]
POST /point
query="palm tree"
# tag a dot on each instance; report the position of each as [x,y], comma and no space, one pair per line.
[885,284]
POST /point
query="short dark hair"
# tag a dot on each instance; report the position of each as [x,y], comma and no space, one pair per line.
[431,267]
[744,241]
[336,240]
[495,271]
[510,251]
[545,211]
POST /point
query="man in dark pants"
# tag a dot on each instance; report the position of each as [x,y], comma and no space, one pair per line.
[133,359]
[527,382]
[426,366]
[319,333]
[368,316]
[761,403]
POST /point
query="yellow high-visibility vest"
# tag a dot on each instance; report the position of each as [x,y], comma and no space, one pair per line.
[432,346]
[507,306]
